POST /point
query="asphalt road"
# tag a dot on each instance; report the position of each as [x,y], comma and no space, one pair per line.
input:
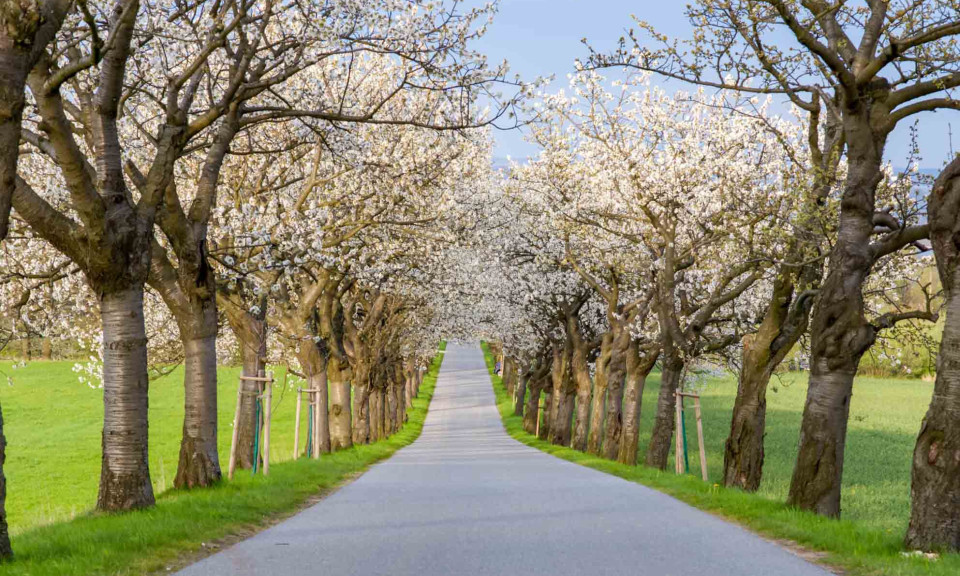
[466,499]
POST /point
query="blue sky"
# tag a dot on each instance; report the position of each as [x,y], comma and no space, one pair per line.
[543,38]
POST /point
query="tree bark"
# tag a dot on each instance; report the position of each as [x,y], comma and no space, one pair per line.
[125,469]
[521,393]
[839,330]
[564,394]
[6,552]
[658,452]
[199,462]
[27,28]
[935,484]
[341,421]
[583,383]
[597,403]
[638,367]
[616,372]
[547,419]
[532,413]
[251,332]
[779,331]
[46,349]
[315,368]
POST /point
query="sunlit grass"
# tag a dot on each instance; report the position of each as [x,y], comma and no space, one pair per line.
[53,430]
[868,540]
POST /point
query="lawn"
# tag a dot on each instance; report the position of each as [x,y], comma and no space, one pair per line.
[885,417]
[52,424]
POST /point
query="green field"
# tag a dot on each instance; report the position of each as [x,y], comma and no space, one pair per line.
[885,417]
[52,424]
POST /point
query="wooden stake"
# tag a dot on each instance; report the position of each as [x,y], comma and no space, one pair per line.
[703,453]
[236,435]
[296,426]
[267,407]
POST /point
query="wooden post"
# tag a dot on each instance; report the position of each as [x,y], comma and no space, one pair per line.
[296,426]
[703,453]
[236,434]
[267,407]
[678,426]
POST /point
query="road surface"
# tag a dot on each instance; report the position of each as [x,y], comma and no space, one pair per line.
[466,499]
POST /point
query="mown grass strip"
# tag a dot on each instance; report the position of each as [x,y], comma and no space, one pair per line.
[185,523]
[843,544]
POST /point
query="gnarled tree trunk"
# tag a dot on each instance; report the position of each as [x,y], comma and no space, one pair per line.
[532,412]
[638,367]
[839,331]
[935,485]
[564,394]
[583,383]
[780,329]
[613,419]
[598,402]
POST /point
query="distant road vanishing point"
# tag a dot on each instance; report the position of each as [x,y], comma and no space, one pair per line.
[466,499]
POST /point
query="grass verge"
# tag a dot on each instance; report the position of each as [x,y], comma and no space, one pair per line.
[184,523]
[855,549]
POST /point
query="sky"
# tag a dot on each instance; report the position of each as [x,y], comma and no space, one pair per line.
[543,38]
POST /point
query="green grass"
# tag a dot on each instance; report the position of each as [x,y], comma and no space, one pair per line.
[52,425]
[885,415]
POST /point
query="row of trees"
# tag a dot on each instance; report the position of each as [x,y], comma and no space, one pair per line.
[257,180]
[699,229]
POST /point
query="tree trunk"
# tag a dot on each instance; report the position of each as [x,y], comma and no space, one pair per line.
[199,462]
[46,349]
[25,347]
[613,419]
[374,408]
[780,329]
[521,393]
[125,469]
[6,552]
[935,485]
[341,424]
[391,414]
[509,370]
[361,413]
[315,368]
[658,452]
[251,333]
[583,384]
[547,403]
[637,370]
[564,393]
[839,333]
[532,413]
[597,403]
